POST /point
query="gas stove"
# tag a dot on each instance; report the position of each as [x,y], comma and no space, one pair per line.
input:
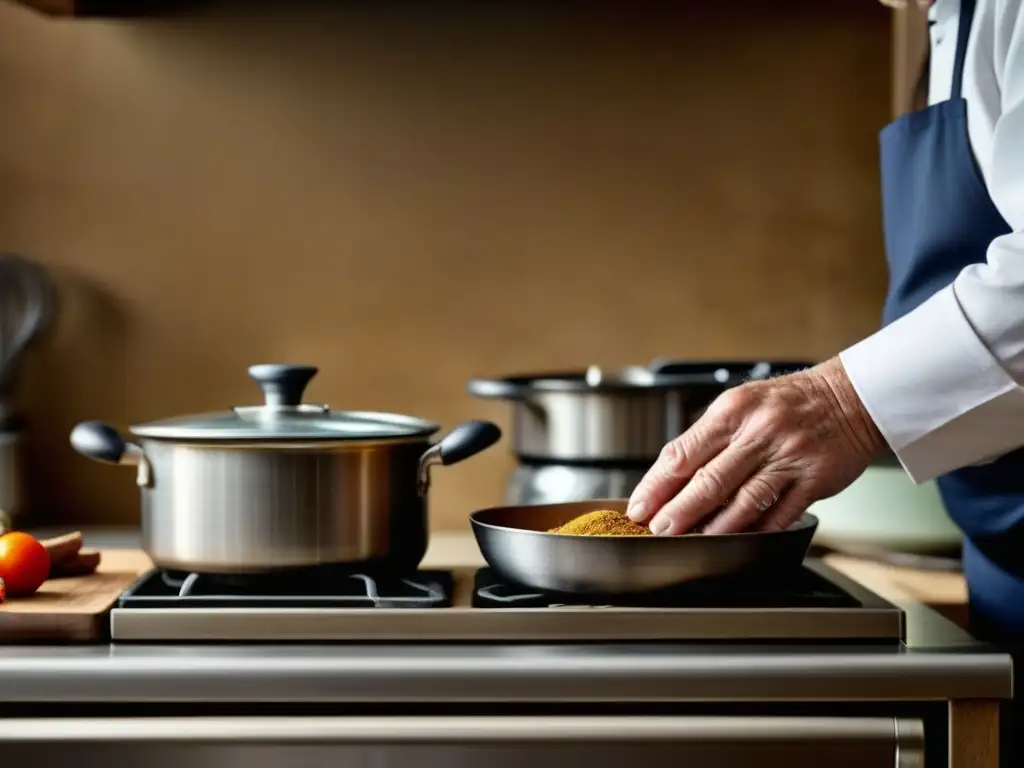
[816,604]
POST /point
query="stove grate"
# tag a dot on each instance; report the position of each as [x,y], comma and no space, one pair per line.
[804,589]
[170,589]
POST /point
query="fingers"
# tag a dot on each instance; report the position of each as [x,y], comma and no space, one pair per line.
[676,464]
[786,511]
[710,488]
[759,497]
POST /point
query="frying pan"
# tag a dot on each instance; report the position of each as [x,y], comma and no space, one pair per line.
[515,543]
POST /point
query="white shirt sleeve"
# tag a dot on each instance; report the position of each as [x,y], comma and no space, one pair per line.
[943,383]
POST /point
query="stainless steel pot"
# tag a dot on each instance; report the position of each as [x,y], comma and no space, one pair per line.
[546,483]
[284,484]
[622,418]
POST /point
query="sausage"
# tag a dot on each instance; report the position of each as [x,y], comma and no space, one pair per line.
[85,561]
[63,549]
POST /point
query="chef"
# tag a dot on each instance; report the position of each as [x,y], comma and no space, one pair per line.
[941,384]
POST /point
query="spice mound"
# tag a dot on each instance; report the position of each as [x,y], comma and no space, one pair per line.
[603,522]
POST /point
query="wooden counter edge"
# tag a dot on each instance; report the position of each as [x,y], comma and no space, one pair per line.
[942,591]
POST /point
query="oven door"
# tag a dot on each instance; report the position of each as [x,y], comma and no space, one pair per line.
[463,742]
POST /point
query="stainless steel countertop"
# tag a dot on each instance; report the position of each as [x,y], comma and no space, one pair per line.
[939,662]
[449,673]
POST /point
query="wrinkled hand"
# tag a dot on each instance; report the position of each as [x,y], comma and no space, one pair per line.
[760,455]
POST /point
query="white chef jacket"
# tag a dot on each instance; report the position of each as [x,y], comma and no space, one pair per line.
[944,382]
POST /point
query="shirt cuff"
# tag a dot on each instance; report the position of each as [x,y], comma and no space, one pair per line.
[936,393]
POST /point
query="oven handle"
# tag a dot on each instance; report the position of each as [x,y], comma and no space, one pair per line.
[906,735]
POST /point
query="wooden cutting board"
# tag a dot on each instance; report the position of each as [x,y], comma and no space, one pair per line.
[74,610]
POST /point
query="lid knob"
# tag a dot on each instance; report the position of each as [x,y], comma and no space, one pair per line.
[282,385]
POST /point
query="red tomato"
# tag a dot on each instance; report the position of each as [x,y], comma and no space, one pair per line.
[3,591]
[24,563]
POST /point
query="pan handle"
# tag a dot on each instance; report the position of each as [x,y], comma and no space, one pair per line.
[101,442]
[458,445]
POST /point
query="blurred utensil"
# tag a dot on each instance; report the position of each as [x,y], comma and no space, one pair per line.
[27,302]
[514,542]
[11,481]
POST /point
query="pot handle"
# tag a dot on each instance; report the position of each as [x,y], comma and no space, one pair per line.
[101,442]
[497,389]
[462,442]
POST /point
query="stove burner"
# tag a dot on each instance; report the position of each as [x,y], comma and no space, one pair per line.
[324,589]
[804,589]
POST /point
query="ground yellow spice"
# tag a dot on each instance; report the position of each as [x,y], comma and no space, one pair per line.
[602,522]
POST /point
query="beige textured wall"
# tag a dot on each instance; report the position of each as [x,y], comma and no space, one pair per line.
[411,194]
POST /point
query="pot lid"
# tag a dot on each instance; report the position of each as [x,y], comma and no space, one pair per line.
[729,372]
[664,373]
[283,416]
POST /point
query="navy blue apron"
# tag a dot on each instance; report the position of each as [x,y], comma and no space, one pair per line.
[939,218]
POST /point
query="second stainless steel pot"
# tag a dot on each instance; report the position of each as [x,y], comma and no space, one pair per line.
[622,418]
[284,484]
